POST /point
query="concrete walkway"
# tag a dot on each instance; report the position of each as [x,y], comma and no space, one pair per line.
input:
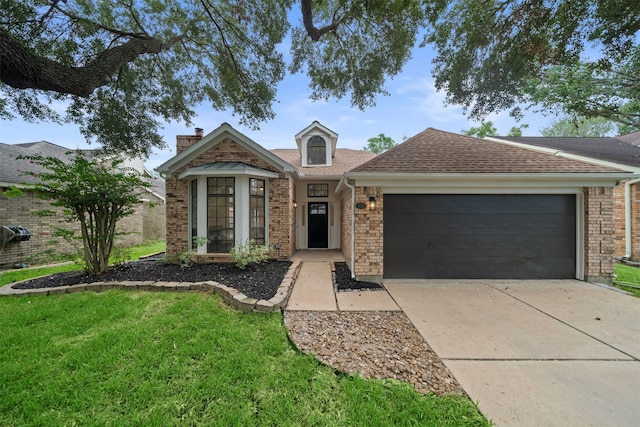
[314,291]
[534,353]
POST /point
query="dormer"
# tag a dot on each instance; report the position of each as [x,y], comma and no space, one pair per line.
[317,145]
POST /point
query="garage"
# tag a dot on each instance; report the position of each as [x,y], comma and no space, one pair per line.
[479,236]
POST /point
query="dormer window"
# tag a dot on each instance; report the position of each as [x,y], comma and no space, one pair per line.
[316,151]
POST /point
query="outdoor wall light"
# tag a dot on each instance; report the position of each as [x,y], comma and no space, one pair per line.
[295,204]
[372,202]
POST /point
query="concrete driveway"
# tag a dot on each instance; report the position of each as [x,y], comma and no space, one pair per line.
[534,353]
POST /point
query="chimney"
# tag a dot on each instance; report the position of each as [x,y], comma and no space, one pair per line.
[185,141]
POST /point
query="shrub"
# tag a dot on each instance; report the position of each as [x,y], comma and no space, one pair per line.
[249,253]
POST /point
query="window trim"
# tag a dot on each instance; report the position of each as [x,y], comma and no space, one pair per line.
[315,145]
[263,198]
[242,211]
[232,207]
[313,193]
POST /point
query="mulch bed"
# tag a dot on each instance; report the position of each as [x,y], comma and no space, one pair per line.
[344,282]
[260,281]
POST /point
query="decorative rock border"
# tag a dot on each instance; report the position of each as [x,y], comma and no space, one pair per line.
[230,295]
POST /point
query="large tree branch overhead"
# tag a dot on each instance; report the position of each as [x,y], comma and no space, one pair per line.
[21,69]
[307,18]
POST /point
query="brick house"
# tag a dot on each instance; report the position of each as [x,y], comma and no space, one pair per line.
[439,205]
[621,152]
[146,223]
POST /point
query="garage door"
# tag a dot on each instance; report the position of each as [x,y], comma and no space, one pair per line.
[479,236]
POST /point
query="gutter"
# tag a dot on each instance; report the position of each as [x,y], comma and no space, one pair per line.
[627,217]
[353,225]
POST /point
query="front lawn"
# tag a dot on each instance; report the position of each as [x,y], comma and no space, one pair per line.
[629,275]
[133,253]
[143,358]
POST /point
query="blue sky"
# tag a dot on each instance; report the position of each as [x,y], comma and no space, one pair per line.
[412,106]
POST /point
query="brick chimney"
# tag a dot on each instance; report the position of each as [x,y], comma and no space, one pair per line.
[185,141]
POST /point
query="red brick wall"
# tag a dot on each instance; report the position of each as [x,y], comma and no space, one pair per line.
[21,211]
[44,247]
[281,211]
[281,217]
[599,232]
[369,235]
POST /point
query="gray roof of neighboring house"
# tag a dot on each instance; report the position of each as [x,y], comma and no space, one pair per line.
[622,149]
[440,152]
[11,169]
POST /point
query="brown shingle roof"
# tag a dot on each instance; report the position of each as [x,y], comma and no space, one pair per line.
[344,160]
[436,151]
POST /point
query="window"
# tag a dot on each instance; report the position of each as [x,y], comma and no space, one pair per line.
[194,210]
[220,214]
[316,151]
[256,210]
[317,190]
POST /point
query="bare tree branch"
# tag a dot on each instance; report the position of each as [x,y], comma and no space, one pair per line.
[307,19]
[21,69]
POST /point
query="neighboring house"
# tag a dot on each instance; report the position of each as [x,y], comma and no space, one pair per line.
[439,205]
[146,224]
[622,152]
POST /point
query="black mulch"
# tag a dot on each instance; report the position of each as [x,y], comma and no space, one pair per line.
[344,281]
[260,281]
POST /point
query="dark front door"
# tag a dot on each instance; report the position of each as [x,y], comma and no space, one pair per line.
[318,225]
[500,236]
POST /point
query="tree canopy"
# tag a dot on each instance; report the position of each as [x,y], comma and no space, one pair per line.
[582,126]
[488,129]
[122,68]
[380,144]
[580,57]
[125,67]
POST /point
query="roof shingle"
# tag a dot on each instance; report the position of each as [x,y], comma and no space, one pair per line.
[344,160]
[436,151]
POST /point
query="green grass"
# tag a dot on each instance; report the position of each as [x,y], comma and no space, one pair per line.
[630,275]
[134,358]
[134,252]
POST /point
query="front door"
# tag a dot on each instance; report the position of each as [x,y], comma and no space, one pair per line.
[318,225]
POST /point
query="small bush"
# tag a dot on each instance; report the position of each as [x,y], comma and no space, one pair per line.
[187,259]
[249,253]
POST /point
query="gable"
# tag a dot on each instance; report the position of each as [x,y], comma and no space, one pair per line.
[316,145]
[224,144]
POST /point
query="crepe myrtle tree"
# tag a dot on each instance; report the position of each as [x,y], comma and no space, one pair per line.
[93,192]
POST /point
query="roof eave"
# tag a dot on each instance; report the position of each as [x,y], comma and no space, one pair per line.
[479,179]
[212,139]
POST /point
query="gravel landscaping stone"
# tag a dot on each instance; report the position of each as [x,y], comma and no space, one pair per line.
[373,344]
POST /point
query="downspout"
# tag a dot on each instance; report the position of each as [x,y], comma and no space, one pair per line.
[353,226]
[627,218]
